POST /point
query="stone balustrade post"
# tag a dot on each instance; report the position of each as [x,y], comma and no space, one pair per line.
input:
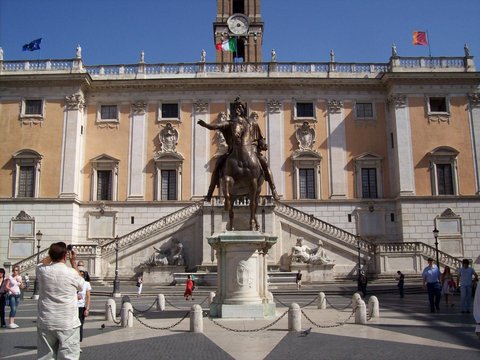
[355,300]
[294,318]
[196,319]
[127,315]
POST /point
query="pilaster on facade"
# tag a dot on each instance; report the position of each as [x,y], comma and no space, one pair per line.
[72,146]
[474,115]
[137,151]
[336,149]
[200,149]
[275,136]
[402,136]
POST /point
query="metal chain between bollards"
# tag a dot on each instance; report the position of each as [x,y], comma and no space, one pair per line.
[144,311]
[176,307]
[250,330]
[287,305]
[160,328]
[113,316]
[338,308]
[338,324]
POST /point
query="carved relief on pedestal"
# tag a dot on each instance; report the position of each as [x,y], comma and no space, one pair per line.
[244,278]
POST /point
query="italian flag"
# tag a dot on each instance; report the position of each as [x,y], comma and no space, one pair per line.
[227,45]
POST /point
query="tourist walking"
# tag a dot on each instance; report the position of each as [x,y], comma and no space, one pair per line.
[431,282]
[401,283]
[14,286]
[448,286]
[3,296]
[189,288]
[27,281]
[466,276]
[84,301]
[58,334]
[362,283]
[139,285]
[298,279]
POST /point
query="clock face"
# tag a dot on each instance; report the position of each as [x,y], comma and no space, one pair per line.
[238,24]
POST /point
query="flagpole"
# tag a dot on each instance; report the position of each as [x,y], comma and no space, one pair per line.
[428,41]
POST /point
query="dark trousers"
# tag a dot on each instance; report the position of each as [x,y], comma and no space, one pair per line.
[2,310]
[401,290]
[434,295]
[81,316]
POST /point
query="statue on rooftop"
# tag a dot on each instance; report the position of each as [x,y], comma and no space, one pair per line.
[79,52]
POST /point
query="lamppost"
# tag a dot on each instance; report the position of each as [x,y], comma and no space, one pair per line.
[38,236]
[435,235]
[116,281]
[359,260]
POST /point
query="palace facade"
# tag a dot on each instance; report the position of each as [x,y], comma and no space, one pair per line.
[368,159]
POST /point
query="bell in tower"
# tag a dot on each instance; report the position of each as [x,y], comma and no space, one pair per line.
[238,31]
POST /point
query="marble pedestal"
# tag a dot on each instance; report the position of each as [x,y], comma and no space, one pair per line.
[315,273]
[242,289]
[162,274]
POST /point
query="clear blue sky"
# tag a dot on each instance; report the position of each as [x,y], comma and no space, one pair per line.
[168,31]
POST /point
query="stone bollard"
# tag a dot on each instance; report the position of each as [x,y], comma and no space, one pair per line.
[110,310]
[196,319]
[361,313]
[373,307]
[322,301]
[160,302]
[355,299]
[211,297]
[294,318]
[127,315]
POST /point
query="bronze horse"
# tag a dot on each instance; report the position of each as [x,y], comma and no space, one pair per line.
[242,173]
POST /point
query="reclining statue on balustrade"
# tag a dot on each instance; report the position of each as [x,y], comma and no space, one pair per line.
[303,254]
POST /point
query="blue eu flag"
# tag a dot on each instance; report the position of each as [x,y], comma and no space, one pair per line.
[32,46]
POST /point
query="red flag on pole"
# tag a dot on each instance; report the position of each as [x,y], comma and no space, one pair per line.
[420,38]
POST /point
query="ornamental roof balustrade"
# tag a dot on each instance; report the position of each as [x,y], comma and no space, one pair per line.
[272,69]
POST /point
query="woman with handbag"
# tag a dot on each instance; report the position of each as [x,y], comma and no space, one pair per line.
[448,285]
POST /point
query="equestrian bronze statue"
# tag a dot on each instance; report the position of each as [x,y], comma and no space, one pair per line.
[241,171]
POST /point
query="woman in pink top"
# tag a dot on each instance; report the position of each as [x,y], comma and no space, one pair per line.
[14,284]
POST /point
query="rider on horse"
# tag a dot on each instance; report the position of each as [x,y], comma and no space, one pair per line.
[226,129]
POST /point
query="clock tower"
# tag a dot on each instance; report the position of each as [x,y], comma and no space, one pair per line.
[240,21]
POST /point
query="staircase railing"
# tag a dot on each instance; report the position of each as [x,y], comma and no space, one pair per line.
[422,249]
[153,228]
[322,226]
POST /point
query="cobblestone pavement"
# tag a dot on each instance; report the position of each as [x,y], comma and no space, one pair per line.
[405,329]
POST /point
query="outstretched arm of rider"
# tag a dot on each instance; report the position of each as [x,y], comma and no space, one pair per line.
[209,126]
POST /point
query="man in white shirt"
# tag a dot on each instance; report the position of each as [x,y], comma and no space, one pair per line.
[58,334]
[466,276]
